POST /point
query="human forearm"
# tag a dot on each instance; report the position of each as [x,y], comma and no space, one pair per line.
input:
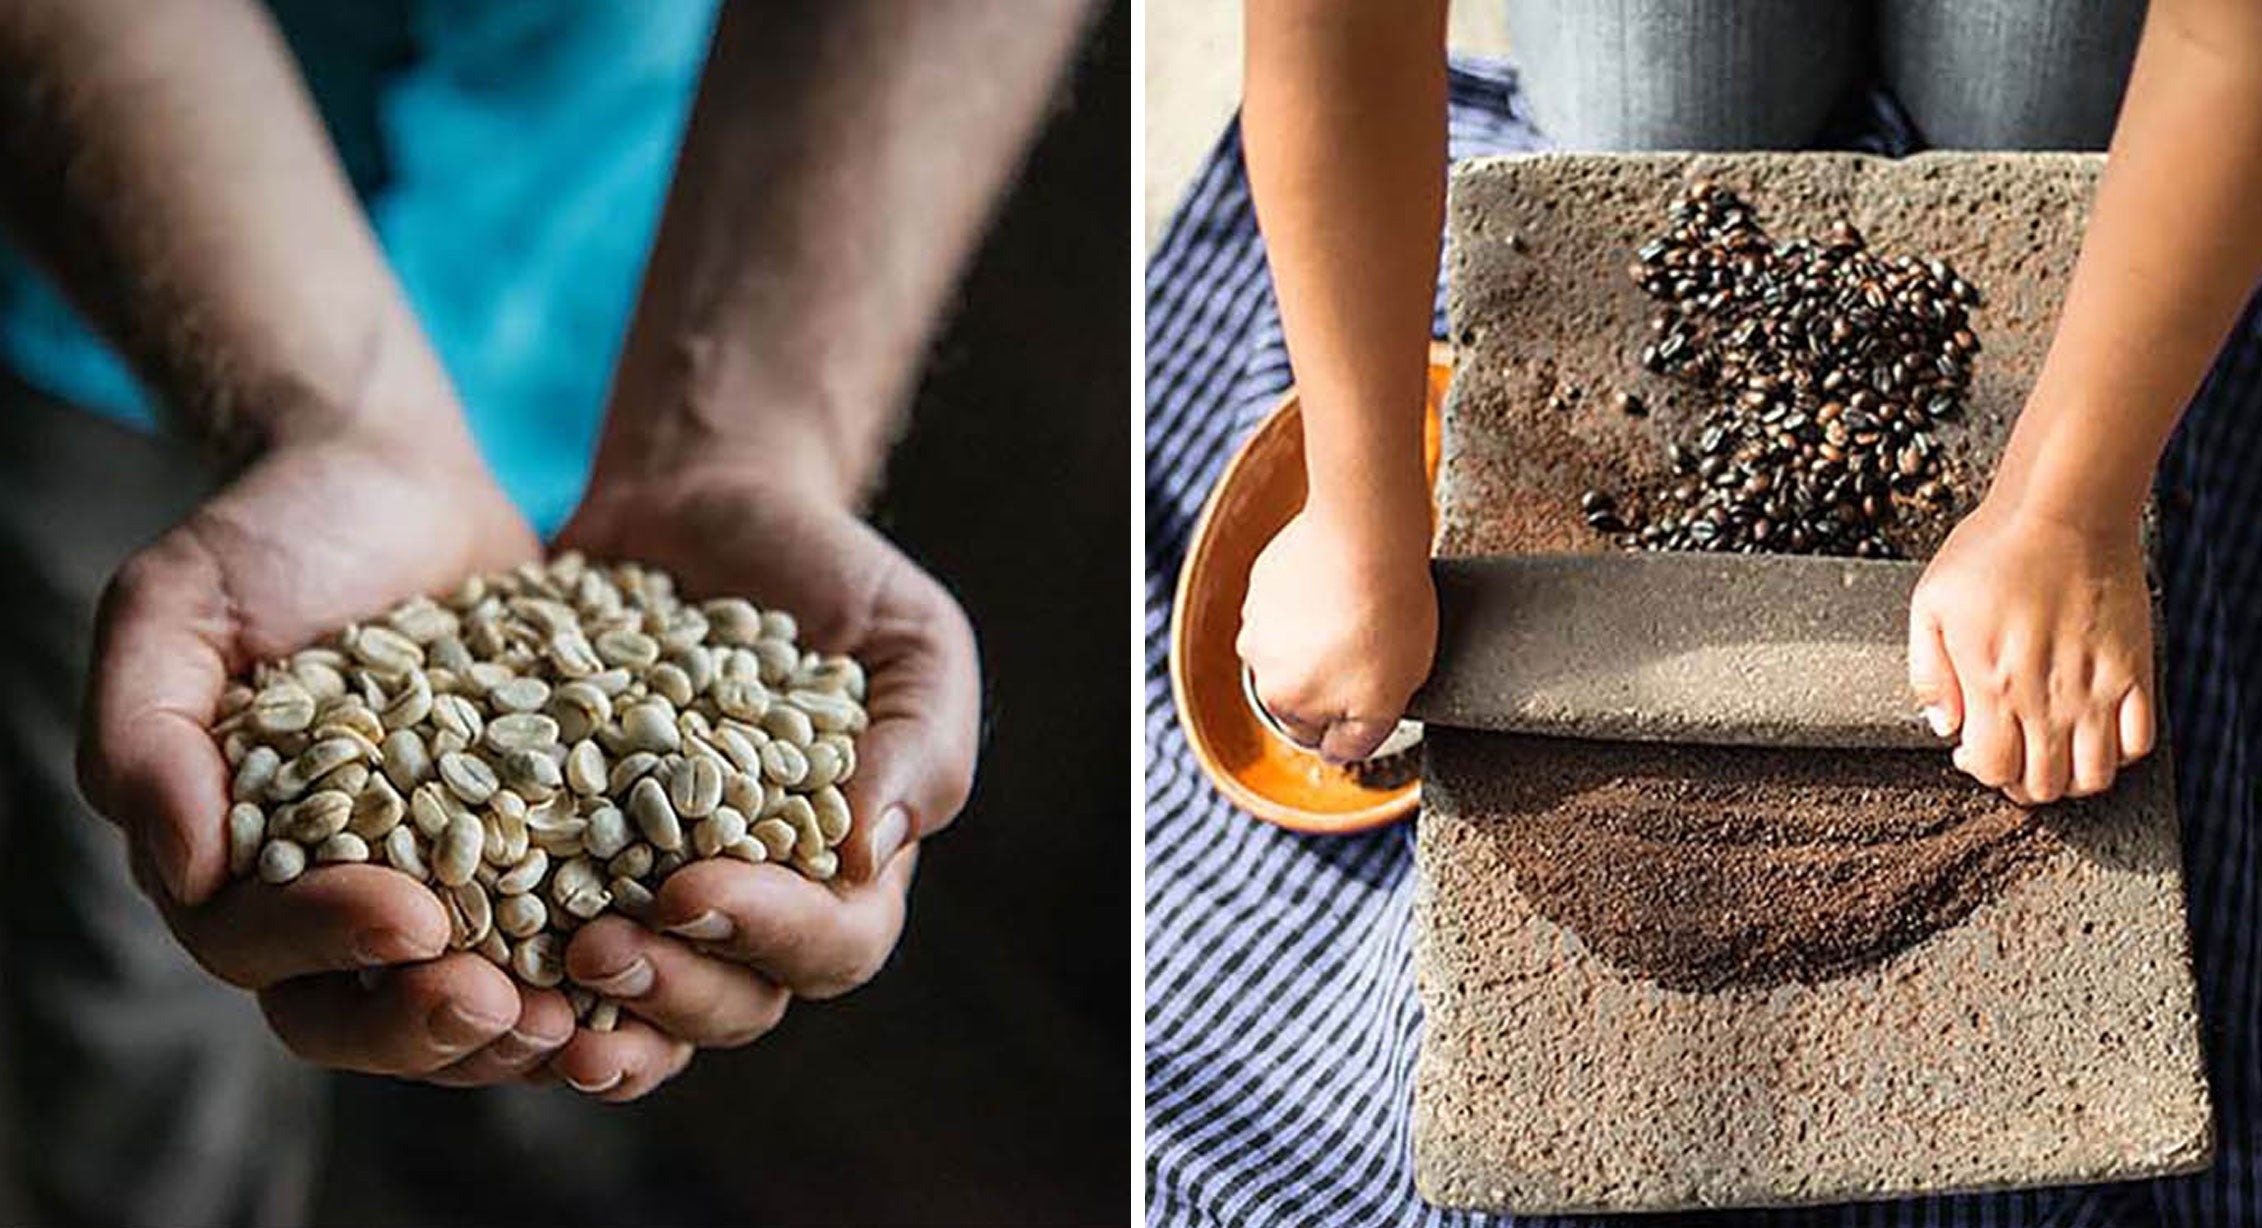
[840,163]
[1343,119]
[167,167]
[2171,254]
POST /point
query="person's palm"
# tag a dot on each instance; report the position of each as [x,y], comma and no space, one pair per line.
[751,937]
[309,537]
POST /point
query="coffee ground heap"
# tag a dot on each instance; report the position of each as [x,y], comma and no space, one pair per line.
[1706,868]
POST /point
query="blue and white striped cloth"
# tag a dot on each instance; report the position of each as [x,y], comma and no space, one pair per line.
[1281,1018]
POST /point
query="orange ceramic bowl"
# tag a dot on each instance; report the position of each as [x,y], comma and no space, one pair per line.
[1261,772]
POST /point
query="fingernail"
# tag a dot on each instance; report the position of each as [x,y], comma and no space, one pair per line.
[457,1028]
[634,981]
[708,926]
[515,1047]
[1937,717]
[377,947]
[593,1089]
[888,836]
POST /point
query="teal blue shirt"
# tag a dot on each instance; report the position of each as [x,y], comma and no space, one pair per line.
[512,155]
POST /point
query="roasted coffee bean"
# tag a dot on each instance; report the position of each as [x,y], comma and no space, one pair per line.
[1823,362]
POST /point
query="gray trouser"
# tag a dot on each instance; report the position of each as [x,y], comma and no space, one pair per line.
[1764,74]
[144,1091]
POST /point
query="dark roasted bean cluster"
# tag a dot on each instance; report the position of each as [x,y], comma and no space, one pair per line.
[1829,368]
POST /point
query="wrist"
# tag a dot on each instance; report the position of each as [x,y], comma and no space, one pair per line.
[1381,519]
[2056,473]
[2085,445]
[2028,506]
[702,416]
[395,399]
[682,450]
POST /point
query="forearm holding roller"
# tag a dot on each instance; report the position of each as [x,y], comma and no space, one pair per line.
[2171,254]
[1343,117]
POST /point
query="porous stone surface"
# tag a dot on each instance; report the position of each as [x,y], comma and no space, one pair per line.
[2047,1035]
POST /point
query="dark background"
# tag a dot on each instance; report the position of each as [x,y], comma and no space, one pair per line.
[984,1077]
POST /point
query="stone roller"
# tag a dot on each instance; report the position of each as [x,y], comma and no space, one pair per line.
[1709,649]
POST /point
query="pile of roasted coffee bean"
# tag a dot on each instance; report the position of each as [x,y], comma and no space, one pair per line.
[1828,367]
[541,746]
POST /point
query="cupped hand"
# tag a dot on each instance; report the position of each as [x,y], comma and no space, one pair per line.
[2030,640]
[729,945]
[1338,633]
[349,961]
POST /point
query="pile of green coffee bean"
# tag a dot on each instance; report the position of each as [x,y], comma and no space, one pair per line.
[543,745]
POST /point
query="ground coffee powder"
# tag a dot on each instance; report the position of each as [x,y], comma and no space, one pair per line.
[1704,868]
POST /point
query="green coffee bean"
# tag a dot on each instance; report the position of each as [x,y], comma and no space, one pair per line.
[519,731]
[343,846]
[783,763]
[635,861]
[377,810]
[585,769]
[776,836]
[455,854]
[280,861]
[539,960]
[315,762]
[695,788]
[650,726]
[404,854]
[655,816]
[524,876]
[824,766]
[630,896]
[254,773]
[384,649]
[410,705]
[468,777]
[282,708]
[458,717]
[786,723]
[520,696]
[607,832]
[317,818]
[247,830]
[405,761]
[520,915]
[471,911]
[429,807]
[828,712]
[831,809]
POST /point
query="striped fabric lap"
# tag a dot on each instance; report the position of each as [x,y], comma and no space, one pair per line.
[1281,1016]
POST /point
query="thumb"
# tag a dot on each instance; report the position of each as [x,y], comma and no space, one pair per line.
[146,759]
[1932,675]
[915,762]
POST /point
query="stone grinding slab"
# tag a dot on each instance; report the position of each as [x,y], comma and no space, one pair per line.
[2044,1032]
[1735,650]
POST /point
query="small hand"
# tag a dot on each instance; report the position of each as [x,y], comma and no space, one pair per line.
[2032,637]
[1338,633]
[348,961]
[741,940]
